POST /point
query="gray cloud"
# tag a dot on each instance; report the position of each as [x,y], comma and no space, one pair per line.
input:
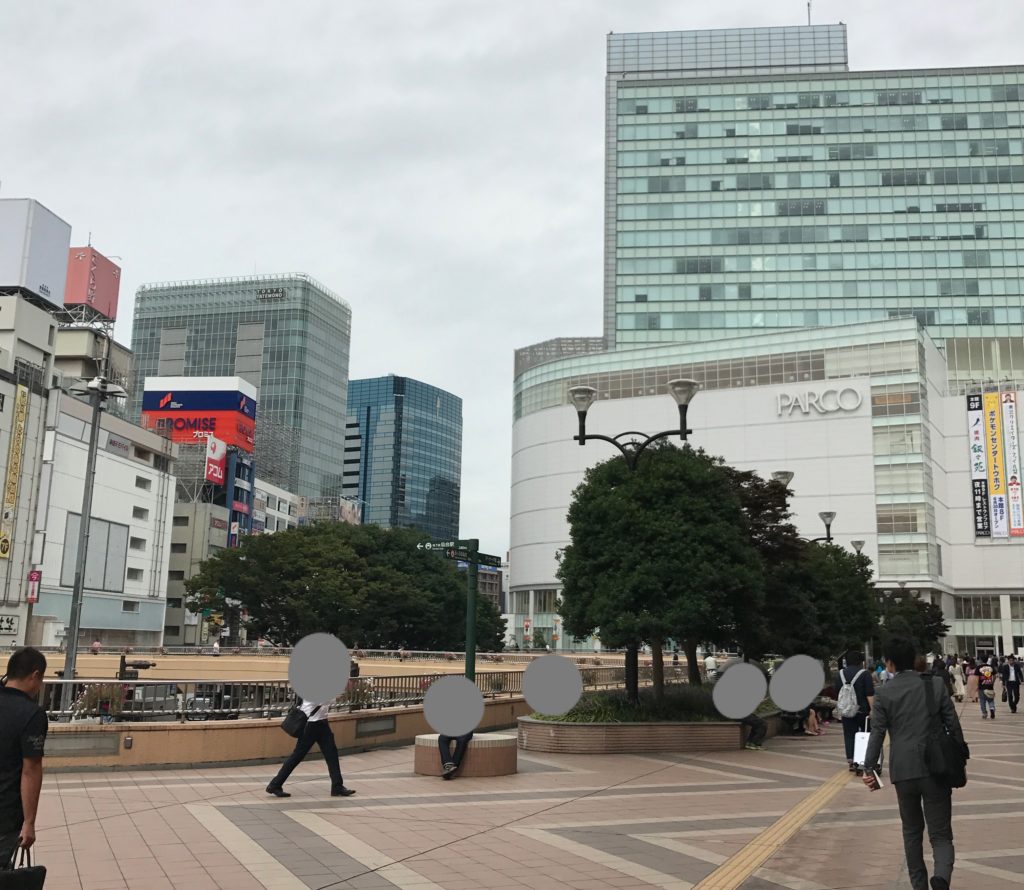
[438,163]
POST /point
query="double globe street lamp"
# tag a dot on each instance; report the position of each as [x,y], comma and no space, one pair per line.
[632,444]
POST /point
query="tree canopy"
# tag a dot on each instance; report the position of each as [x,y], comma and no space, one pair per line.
[368,586]
[908,615]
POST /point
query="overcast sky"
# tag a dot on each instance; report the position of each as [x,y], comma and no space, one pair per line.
[438,163]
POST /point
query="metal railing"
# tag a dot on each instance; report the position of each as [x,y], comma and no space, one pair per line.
[109,701]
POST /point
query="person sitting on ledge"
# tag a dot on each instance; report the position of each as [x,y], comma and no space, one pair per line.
[450,762]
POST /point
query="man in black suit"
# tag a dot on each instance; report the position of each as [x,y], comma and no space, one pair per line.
[1011,675]
[900,710]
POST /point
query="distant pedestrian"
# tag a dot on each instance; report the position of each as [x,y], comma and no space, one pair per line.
[941,670]
[1011,676]
[216,648]
[971,673]
[317,732]
[23,728]
[901,710]
[711,667]
[855,694]
[956,671]
[96,647]
[450,762]
[987,691]
[675,658]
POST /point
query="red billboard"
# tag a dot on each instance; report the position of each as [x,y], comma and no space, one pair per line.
[189,410]
[93,280]
[216,458]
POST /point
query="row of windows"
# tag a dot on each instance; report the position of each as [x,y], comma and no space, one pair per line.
[978,607]
[822,290]
[698,236]
[810,262]
[741,182]
[813,207]
[933,95]
[793,152]
[827,126]
[740,319]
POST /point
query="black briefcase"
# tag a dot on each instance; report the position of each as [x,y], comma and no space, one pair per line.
[24,875]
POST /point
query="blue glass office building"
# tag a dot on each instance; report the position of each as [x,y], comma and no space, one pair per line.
[410,454]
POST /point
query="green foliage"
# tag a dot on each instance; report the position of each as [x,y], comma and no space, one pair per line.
[908,615]
[538,639]
[680,702]
[368,586]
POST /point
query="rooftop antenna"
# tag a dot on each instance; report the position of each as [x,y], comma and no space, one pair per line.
[808,12]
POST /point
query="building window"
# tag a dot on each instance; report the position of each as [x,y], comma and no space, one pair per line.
[172,630]
[140,513]
[105,558]
[175,575]
[1017,608]
[544,601]
[130,606]
[174,602]
[180,521]
[135,574]
[179,548]
[977,608]
[137,544]
[143,483]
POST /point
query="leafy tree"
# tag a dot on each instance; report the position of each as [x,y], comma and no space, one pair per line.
[910,616]
[661,551]
[538,639]
[369,586]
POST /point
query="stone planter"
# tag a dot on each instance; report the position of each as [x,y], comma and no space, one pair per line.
[628,738]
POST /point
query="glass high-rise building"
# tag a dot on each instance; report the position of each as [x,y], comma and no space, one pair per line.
[288,335]
[754,183]
[410,454]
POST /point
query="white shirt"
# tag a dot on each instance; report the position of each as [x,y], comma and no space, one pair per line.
[1014,675]
[308,707]
[711,663]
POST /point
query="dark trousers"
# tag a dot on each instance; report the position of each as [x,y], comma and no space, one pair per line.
[926,801]
[851,726]
[9,846]
[444,742]
[758,729]
[318,732]
[1013,696]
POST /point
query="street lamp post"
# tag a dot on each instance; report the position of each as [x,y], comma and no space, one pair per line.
[632,444]
[99,389]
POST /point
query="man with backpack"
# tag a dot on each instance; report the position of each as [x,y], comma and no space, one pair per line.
[855,696]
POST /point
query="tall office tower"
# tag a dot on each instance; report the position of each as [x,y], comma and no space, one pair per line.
[410,462]
[754,183]
[285,334]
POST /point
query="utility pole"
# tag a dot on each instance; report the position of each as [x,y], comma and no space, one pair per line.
[808,12]
[473,548]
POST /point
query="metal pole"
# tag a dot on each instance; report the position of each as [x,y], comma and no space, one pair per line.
[471,588]
[77,593]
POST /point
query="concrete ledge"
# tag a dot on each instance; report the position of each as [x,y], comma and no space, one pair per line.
[106,746]
[493,754]
[627,738]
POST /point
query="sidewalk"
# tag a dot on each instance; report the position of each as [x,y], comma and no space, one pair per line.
[565,821]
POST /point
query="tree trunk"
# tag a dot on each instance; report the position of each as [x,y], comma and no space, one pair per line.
[692,667]
[658,668]
[632,674]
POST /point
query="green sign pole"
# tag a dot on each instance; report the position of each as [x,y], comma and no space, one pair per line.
[473,546]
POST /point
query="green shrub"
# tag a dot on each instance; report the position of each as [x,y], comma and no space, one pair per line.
[681,703]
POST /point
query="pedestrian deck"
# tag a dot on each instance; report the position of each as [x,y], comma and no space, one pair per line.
[565,821]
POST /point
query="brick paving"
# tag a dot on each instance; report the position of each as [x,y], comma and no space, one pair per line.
[565,821]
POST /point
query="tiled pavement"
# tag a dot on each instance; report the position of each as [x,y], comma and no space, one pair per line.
[665,821]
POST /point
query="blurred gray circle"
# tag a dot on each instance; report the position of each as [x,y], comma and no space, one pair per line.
[318,669]
[453,706]
[739,691]
[552,685]
[797,682]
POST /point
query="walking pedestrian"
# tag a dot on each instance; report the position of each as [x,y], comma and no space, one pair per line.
[956,671]
[855,694]
[901,710]
[1011,676]
[450,762]
[317,732]
[987,691]
[971,672]
[23,728]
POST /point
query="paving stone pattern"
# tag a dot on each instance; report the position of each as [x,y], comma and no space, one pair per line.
[565,821]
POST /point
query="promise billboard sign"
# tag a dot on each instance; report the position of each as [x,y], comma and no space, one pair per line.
[188,410]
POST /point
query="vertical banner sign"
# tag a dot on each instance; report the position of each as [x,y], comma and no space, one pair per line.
[996,467]
[1011,444]
[216,456]
[14,455]
[979,466]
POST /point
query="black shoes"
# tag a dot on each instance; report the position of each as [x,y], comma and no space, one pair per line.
[277,792]
[939,883]
[342,792]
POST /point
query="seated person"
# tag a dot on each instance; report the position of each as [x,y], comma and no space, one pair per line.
[451,762]
[758,730]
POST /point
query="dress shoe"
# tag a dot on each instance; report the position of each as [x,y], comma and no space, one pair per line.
[277,792]
[342,792]
[939,883]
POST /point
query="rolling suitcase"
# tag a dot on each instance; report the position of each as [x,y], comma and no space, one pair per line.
[860,746]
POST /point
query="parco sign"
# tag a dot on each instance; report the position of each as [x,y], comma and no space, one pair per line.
[827,402]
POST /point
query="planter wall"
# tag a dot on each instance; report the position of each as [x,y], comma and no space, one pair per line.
[627,738]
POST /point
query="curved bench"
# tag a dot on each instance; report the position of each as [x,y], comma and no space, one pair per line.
[491,754]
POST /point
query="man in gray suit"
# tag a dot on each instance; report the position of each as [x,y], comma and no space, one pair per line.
[901,711]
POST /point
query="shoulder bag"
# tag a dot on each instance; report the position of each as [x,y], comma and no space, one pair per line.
[23,876]
[295,721]
[945,757]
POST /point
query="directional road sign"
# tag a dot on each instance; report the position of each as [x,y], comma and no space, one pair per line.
[435,545]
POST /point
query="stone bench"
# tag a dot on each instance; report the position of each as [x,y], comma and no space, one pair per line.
[490,754]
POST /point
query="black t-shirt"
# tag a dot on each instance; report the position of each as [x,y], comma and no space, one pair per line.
[23,727]
[864,686]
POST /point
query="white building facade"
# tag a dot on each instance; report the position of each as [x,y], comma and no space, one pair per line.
[861,414]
